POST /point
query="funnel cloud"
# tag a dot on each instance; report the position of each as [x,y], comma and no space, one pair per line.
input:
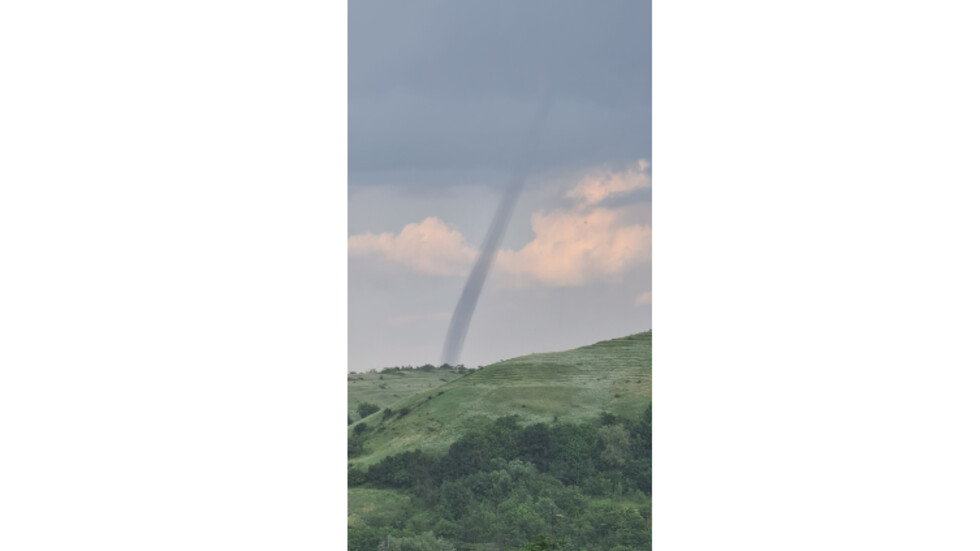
[445,102]
[459,324]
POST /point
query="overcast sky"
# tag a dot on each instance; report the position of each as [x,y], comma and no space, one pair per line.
[441,95]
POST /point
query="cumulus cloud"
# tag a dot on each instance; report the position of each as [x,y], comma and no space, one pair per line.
[575,246]
[430,247]
[600,184]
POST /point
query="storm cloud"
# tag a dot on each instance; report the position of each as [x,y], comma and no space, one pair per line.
[439,87]
[440,97]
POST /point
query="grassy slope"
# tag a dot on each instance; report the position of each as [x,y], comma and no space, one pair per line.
[380,506]
[386,389]
[573,385]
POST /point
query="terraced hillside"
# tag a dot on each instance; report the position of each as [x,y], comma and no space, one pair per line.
[573,385]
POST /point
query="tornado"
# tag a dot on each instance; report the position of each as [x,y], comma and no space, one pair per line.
[460,322]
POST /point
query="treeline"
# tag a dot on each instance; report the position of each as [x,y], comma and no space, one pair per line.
[427,368]
[571,486]
[460,369]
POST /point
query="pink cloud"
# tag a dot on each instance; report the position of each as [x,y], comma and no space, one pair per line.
[429,247]
[602,183]
[574,248]
[570,247]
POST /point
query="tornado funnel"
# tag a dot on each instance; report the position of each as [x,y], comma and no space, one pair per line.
[460,322]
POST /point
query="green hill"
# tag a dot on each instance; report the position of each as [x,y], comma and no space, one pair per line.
[575,385]
[384,389]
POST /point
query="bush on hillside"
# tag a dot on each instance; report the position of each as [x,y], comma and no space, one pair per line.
[422,542]
[355,446]
[366,409]
[543,542]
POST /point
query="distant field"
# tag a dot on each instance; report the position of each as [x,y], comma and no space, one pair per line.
[386,389]
[573,385]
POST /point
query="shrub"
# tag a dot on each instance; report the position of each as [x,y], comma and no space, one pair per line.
[355,477]
[355,446]
[366,409]
[543,542]
[403,471]
[615,445]
[423,542]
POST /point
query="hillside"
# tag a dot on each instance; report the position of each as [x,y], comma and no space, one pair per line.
[384,389]
[575,385]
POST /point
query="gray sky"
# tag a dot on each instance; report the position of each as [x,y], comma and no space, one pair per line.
[440,96]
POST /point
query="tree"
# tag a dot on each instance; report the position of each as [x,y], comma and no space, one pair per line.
[355,446]
[366,409]
[615,443]
[422,542]
[543,542]
[355,476]
[486,488]
[533,444]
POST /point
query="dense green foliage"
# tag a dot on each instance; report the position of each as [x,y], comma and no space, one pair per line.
[364,409]
[536,487]
[424,542]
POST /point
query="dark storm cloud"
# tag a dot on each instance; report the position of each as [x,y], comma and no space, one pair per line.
[440,86]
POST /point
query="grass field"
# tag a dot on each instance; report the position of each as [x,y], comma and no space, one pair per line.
[573,385]
[384,389]
[377,506]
